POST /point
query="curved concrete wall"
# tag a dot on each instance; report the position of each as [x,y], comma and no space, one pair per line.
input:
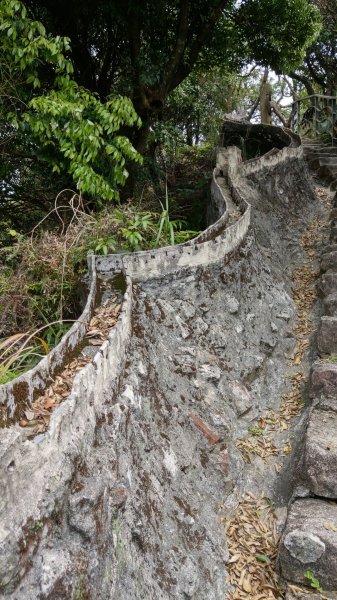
[50,457]
[210,246]
[23,388]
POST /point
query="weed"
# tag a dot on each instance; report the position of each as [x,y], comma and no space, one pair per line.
[35,527]
[253,430]
[16,355]
[314,583]
[79,592]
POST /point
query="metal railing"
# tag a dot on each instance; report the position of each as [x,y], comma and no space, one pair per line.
[315,117]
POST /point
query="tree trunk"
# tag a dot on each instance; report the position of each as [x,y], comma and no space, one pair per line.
[265,100]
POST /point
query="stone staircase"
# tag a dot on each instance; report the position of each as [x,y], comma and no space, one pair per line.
[322,158]
[309,541]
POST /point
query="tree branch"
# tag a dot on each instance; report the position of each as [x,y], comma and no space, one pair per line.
[197,45]
[185,7]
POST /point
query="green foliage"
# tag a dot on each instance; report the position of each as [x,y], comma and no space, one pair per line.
[319,70]
[19,353]
[314,583]
[81,135]
[263,558]
[25,45]
[275,33]
[256,431]
[129,230]
[38,285]
[65,125]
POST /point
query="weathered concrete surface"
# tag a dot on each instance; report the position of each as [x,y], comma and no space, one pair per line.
[309,542]
[143,502]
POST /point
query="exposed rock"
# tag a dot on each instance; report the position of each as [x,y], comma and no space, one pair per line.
[309,542]
[240,397]
[324,379]
[319,468]
[200,326]
[327,336]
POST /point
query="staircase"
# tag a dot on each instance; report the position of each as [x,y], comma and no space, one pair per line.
[322,158]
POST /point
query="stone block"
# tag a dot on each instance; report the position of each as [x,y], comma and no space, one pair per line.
[319,467]
[327,336]
[309,542]
[329,261]
[328,283]
[324,379]
[330,305]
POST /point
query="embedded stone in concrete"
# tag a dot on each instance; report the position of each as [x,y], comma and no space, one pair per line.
[324,379]
[241,397]
[327,336]
[309,542]
[330,305]
[329,261]
[319,468]
[328,283]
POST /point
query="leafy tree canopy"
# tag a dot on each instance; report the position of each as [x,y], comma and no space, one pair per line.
[52,116]
[318,71]
[147,49]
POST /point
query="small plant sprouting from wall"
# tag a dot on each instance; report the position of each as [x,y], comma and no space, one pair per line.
[312,579]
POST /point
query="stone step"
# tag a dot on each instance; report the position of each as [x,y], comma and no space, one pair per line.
[328,283]
[320,161]
[330,305]
[323,379]
[309,142]
[321,150]
[327,172]
[329,261]
[327,336]
[309,543]
[319,461]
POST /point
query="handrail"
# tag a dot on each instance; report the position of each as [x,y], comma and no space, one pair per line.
[317,120]
[308,98]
